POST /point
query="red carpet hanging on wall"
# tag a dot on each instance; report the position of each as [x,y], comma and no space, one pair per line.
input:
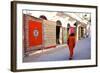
[32,33]
[35,33]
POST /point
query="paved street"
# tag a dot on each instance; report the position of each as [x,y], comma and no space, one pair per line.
[82,51]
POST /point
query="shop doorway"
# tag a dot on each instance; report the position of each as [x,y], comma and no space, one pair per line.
[58,32]
[81,32]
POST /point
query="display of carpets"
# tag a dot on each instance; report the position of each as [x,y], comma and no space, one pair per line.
[49,29]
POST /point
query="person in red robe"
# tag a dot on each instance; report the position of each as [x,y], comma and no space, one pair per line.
[71,44]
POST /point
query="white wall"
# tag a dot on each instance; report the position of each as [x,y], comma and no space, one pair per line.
[5,37]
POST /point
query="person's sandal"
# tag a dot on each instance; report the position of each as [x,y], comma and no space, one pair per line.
[70,58]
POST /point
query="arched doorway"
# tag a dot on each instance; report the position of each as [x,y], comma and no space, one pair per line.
[68,27]
[81,32]
[58,31]
[43,17]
